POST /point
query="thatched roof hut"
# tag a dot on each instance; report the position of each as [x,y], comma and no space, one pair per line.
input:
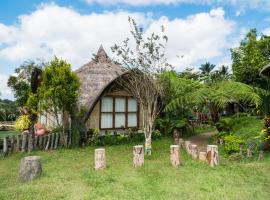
[95,76]
[266,70]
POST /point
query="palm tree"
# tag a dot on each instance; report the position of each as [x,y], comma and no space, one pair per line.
[207,68]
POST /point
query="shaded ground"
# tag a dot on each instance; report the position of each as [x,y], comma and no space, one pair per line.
[202,139]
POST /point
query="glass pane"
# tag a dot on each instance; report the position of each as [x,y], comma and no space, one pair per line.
[120,120]
[132,105]
[132,119]
[107,104]
[106,120]
[120,104]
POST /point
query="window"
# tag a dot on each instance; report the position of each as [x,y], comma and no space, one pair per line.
[118,112]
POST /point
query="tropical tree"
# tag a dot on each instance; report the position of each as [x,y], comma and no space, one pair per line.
[144,62]
[214,96]
[57,93]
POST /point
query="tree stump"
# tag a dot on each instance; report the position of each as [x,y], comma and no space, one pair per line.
[202,156]
[212,155]
[249,153]
[194,151]
[175,158]
[181,143]
[187,143]
[138,156]
[176,136]
[30,168]
[261,155]
[100,159]
[241,149]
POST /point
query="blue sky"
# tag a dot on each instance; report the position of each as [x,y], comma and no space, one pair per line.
[201,31]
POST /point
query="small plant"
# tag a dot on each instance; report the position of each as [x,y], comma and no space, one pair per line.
[22,123]
[225,124]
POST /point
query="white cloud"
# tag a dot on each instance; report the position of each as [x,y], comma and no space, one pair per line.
[249,4]
[4,90]
[266,31]
[199,37]
[54,30]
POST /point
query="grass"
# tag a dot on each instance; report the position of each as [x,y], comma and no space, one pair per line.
[69,174]
[8,133]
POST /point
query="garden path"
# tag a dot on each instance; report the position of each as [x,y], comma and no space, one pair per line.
[202,140]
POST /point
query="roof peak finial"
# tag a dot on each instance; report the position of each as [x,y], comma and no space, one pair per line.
[101,55]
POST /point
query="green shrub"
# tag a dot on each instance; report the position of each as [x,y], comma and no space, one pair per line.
[232,144]
[225,125]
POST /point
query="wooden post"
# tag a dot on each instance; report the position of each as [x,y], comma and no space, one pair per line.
[241,149]
[187,143]
[24,141]
[202,156]
[249,153]
[36,142]
[194,151]
[138,156]
[12,144]
[175,158]
[52,141]
[100,159]
[261,155]
[56,141]
[30,168]
[18,143]
[5,146]
[212,155]
[48,142]
[30,142]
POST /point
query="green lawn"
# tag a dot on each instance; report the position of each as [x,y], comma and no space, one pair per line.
[69,174]
[7,133]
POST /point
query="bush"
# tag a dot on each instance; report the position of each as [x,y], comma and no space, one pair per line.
[166,125]
[225,125]
[22,123]
[232,144]
[109,138]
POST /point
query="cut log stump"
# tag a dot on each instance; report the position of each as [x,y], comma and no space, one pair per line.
[181,143]
[187,143]
[175,158]
[202,156]
[261,155]
[212,155]
[30,168]
[194,151]
[100,159]
[138,156]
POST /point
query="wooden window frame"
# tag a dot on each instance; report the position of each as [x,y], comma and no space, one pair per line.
[114,113]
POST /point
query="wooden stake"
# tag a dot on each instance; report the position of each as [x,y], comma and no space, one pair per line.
[212,155]
[138,156]
[5,146]
[175,158]
[18,143]
[52,141]
[181,143]
[249,153]
[56,141]
[48,142]
[261,155]
[24,141]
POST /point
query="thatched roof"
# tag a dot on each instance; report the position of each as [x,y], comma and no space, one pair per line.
[95,76]
[266,70]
